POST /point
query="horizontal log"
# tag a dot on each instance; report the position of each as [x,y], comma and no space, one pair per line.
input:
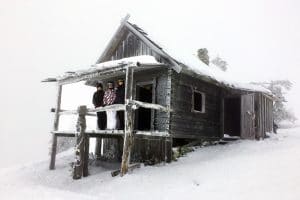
[112,133]
[91,111]
[150,106]
[114,107]
[130,168]
[153,133]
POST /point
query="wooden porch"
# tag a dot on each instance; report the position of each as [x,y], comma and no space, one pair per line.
[129,135]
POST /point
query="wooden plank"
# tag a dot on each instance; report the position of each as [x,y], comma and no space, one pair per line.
[98,148]
[150,106]
[113,107]
[85,171]
[55,128]
[153,133]
[111,133]
[128,139]
[130,168]
[153,101]
[80,153]
[247,116]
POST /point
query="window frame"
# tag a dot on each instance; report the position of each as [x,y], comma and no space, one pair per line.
[194,90]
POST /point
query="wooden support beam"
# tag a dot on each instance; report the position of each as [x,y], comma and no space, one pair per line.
[130,167]
[150,106]
[98,148]
[80,150]
[55,128]
[85,171]
[128,139]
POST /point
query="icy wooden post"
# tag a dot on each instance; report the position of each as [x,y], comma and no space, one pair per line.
[55,128]
[128,139]
[79,168]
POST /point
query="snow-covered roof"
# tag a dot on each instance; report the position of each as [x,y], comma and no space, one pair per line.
[136,60]
[107,67]
[190,63]
[184,62]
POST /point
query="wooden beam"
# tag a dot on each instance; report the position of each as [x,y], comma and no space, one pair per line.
[55,128]
[130,167]
[128,139]
[150,106]
[100,132]
[79,166]
[113,107]
[91,73]
[85,171]
[153,133]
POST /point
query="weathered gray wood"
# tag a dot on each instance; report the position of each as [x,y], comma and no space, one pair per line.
[98,148]
[247,116]
[55,128]
[175,66]
[113,107]
[130,167]
[80,153]
[128,139]
[115,37]
[150,105]
[85,171]
[153,101]
[182,120]
[153,133]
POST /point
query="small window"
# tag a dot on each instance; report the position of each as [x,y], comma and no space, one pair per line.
[198,102]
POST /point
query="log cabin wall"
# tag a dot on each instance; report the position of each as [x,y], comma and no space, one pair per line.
[264,115]
[159,79]
[144,149]
[187,124]
[130,45]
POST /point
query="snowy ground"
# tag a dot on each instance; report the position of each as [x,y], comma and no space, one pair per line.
[268,169]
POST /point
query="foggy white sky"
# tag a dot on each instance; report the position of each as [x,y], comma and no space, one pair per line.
[259,39]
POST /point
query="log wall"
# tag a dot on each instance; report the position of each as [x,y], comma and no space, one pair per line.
[131,45]
[187,124]
[264,115]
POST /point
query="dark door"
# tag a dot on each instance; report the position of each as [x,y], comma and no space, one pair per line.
[143,115]
[247,117]
[232,115]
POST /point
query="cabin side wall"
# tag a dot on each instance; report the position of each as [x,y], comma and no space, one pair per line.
[159,79]
[184,123]
[154,149]
[264,115]
[130,45]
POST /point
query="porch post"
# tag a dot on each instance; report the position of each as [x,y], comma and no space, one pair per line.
[55,128]
[80,167]
[128,139]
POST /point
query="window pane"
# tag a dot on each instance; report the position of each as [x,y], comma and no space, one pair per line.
[197,101]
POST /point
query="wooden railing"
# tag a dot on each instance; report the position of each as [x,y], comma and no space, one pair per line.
[82,136]
[80,167]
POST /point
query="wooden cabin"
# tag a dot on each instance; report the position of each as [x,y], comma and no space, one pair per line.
[168,102]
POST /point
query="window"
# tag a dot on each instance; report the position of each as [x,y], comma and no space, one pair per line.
[198,102]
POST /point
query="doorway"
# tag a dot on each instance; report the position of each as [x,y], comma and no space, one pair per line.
[144,116]
[232,116]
